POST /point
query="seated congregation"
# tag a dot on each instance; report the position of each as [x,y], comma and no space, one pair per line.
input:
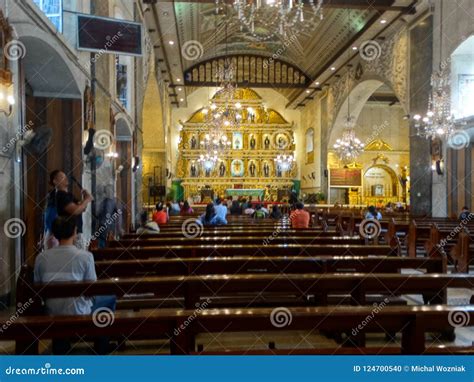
[245,277]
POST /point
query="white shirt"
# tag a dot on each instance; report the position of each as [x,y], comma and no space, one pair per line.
[66,263]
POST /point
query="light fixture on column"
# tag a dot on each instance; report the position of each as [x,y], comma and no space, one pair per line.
[7,99]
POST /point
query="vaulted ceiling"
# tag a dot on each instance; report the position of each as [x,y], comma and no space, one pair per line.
[178,25]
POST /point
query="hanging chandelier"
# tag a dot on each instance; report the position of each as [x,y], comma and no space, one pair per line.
[208,161]
[265,19]
[438,120]
[348,147]
[285,161]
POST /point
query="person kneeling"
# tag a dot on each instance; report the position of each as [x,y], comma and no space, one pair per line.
[68,263]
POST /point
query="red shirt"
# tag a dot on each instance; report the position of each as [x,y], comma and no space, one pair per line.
[160,217]
[300,219]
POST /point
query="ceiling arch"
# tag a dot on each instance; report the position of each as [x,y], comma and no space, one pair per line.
[249,70]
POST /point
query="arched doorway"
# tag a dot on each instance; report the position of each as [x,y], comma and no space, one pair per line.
[380,174]
[53,109]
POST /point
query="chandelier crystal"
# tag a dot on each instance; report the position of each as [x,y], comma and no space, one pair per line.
[277,17]
[348,147]
[438,121]
[285,161]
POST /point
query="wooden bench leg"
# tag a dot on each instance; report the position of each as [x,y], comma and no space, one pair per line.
[413,337]
[183,339]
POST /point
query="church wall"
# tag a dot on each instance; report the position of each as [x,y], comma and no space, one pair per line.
[454,189]
[311,173]
[30,23]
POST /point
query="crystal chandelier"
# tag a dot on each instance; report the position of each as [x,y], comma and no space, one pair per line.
[438,121]
[285,161]
[277,16]
[348,147]
[208,161]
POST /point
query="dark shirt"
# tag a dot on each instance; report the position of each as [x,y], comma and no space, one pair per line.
[61,199]
[465,215]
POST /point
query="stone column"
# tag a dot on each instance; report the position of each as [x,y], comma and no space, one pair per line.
[421,58]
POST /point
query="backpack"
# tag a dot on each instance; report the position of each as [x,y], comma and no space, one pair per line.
[50,214]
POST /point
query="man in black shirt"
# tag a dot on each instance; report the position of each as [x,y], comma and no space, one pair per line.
[66,204]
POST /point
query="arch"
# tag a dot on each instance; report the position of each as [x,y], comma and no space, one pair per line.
[123,130]
[60,77]
[250,70]
[391,172]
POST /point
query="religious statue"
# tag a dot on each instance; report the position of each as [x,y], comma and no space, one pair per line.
[252,142]
[193,142]
[278,171]
[266,169]
[222,169]
[266,143]
[281,143]
[252,169]
[193,170]
[237,144]
[208,172]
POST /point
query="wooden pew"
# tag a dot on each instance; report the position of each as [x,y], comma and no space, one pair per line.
[412,321]
[462,252]
[231,239]
[272,264]
[196,288]
[184,251]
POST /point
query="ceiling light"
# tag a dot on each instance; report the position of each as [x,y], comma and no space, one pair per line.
[383,21]
[308,91]
[179,89]
[238,105]
[316,83]
[181,99]
[178,79]
[333,68]
[171,42]
[354,48]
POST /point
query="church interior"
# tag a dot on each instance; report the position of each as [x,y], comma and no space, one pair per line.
[241,177]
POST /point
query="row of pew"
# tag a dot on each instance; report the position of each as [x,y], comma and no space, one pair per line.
[177,285]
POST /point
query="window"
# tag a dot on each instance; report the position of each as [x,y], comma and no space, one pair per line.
[53,9]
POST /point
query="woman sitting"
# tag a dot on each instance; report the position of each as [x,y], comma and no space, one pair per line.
[160,216]
[147,226]
[235,208]
[372,213]
[186,209]
[259,212]
[276,213]
[210,217]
